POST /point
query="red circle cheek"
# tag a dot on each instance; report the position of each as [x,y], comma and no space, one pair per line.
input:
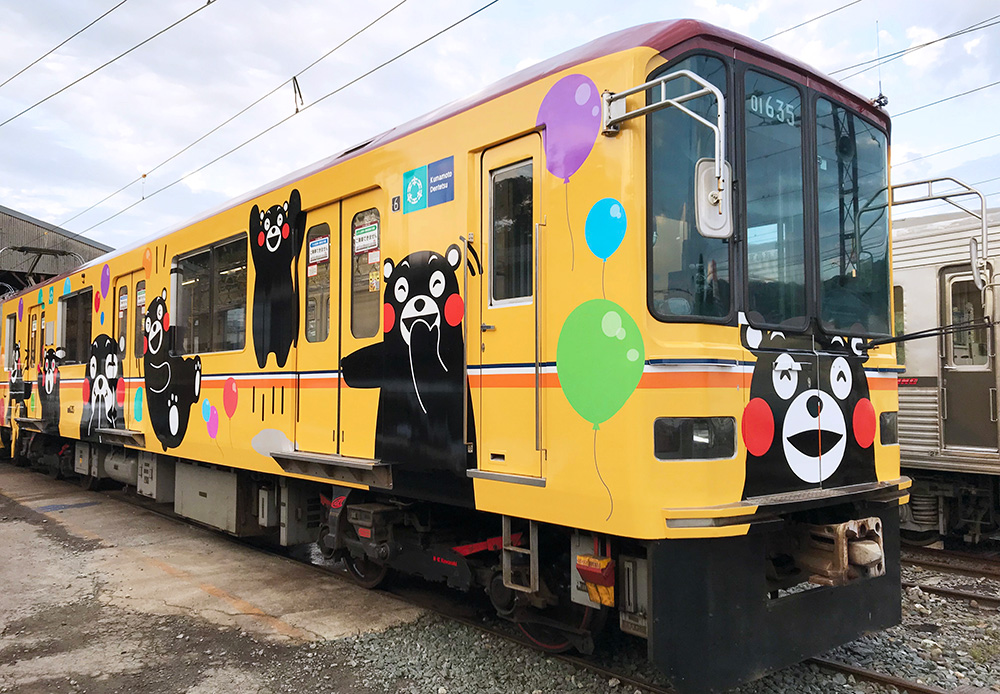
[388,318]
[145,344]
[284,231]
[454,310]
[864,423]
[86,390]
[166,321]
[120,392]
[758,427]
[260,239]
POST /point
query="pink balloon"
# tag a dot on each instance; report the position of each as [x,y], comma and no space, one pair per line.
[571,114]
[213,423]
[230,395]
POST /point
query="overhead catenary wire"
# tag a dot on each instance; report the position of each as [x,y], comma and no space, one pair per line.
[104,65]
[58,46]
[810,21]
[289,117]
[877,61]
[239,113]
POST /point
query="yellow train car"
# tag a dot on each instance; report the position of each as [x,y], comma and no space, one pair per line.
[594,339]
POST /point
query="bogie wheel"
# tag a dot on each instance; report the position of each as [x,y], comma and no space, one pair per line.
[365,572]
[327,552]
[586,620]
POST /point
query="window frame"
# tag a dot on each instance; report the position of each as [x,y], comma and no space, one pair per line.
[9,335]
[735,261]
[330,282]
[175,291]
[527,299]
[376,313]
[63,311]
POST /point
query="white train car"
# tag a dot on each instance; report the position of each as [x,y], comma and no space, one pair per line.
[948,408]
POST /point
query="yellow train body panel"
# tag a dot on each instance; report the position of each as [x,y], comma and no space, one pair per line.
[536,456]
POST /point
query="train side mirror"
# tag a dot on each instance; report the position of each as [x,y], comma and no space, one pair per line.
[713,211]
[977,274]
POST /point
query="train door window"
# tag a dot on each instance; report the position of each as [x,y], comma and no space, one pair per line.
[8,341]
[75,314]
[967,347]
[318,283]
[511,214]
[689,275]
[140,314]
[123,313]
[775,231]
[211,298]
[898,322]
[365,273]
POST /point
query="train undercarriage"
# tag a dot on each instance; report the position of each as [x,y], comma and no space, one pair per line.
[962,506]
[751,600]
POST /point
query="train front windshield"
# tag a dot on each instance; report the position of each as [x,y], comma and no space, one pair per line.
[810,207]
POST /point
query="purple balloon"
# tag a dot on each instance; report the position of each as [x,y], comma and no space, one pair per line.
[105,281]
[571,114]
[213,423]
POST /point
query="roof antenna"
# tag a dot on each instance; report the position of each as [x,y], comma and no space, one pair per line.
[880,101]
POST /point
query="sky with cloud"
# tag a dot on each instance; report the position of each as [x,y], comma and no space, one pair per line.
[95,137]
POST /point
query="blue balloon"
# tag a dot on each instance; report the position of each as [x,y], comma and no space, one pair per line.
[206,409]
[605,230]
[66,286]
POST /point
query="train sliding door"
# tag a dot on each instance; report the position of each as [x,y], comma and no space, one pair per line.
[968,369]
[317,352]
[509,426]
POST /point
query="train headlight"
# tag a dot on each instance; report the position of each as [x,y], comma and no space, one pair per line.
[694,438]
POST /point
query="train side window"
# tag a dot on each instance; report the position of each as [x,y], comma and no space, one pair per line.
[689,275]
[365,274]
[210,298]
[140,315]
[75,314]
[123,313]
[8,341]
[511,217]
[899,325]
[318,283]
[968,347]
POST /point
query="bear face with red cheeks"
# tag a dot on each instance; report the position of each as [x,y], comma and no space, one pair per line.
[809,421]
[276,235]
[419,366]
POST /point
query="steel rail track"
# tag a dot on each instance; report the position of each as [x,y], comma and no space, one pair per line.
[435,607]
[954,562]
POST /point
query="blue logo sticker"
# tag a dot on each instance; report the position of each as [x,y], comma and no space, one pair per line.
[433,184]
[415,190]
[441,181]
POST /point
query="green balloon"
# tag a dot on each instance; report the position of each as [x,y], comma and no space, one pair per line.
[599,359]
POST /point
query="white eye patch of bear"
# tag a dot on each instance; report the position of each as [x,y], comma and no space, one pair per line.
[785,376]
[401,290]
[93,368]
[437,284]
[841,379]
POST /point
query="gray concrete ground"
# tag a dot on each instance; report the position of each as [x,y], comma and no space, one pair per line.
[100,596]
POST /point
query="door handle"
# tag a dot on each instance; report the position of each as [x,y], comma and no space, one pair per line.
[487,328]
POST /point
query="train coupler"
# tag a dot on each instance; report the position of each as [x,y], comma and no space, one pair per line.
[837,554]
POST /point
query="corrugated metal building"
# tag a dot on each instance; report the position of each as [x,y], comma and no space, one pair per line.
[46,251]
